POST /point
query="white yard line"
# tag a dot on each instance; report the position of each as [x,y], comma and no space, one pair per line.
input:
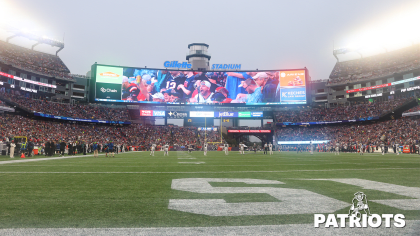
[198,172]
[412,228]
[22,160]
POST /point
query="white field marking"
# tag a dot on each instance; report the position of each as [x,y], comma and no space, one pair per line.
[412,228]
[291,201]
[187,158]
[403,204]
[199,172]
[21,160]
[197,163]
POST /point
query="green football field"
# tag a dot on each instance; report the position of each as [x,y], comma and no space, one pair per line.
[136,190]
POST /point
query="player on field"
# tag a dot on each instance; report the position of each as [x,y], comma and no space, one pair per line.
[189,148]
[111,148]
[205,149]
[166,150]
[95,149]
[311,148]
[152,150]
[265,148]
[255,148]
[383,148]
[397,148]
[226,147]
[270,148]
[361,149]
[241,148]
[337,149]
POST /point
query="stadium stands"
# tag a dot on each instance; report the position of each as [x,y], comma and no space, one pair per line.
[401,131]
[67,110]
[133,135]
[33,61]
[376,66]
[365,110]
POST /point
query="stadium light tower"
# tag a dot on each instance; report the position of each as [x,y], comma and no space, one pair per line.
[198,56]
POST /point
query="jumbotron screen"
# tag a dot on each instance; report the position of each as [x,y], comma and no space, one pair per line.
[161,86]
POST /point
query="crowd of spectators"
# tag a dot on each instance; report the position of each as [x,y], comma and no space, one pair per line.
[33,61]
[41,131]
[376,66]
[341,112]
[401,131]
[82,111]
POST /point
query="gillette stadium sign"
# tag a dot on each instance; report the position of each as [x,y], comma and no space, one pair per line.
[176,64]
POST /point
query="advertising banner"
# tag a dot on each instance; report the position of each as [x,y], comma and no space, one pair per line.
[176,114]
[108,91]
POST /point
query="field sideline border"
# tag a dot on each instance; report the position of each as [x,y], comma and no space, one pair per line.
[412,228]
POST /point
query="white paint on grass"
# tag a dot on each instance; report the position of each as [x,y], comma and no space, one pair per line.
[291,201]
[403,204]
[196,163]
[197,172]
[412,228]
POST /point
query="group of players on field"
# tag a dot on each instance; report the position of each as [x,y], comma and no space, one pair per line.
[268,148]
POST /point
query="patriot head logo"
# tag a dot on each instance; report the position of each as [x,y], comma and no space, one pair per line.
[359,205]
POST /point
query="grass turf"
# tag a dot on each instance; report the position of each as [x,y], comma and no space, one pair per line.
[134,189]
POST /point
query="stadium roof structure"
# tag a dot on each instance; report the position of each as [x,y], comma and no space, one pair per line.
[37,38]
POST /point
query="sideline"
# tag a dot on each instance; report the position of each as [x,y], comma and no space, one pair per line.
[412,228]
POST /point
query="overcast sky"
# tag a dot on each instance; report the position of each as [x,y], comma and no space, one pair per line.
[257,34]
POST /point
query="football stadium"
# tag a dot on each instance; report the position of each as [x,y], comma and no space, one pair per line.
[196,148]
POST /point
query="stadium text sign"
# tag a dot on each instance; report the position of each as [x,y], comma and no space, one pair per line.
[359,216]
[373,220]
[176,64]
[382,85]
[226,67]
[249,131]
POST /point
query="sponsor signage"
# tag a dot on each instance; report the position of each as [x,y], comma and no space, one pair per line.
[152,113]
[257,114]
[244,114]
[410,89]
[225,114]
[159,113]
[207,128]
[249,131]
[27,80]
[328,122]
[146,113]
[368,88]
[302,142]
[176,64]
[226,67]
[176,114]
[374,95]
[29,90]
[82,120]
[382,85]
[108,91]
[201,113]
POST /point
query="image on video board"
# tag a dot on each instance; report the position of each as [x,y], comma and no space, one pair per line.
[194,87]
